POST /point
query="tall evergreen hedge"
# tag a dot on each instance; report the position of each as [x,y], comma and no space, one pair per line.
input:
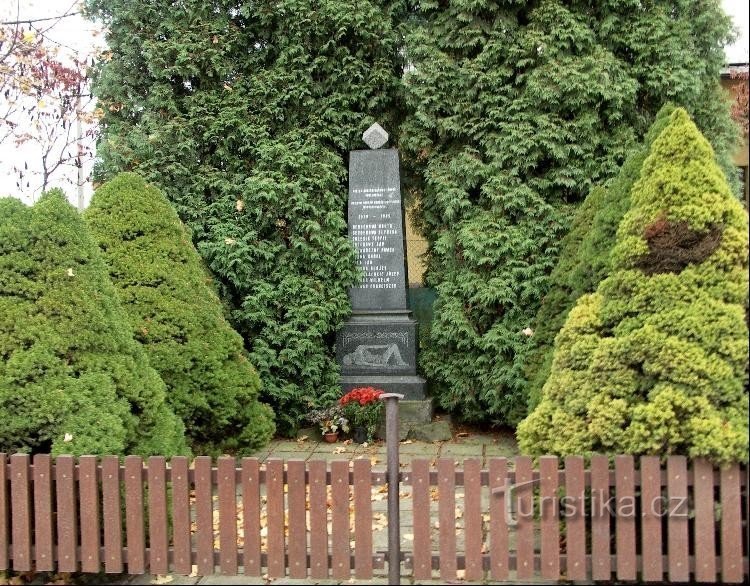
[243,115]
[584,257]
[516,109]
[176,314]
[72,378]
[656,360]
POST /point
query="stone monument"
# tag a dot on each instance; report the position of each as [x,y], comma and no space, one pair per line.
[377,345]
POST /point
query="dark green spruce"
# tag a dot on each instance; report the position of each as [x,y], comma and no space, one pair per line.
[72,378]
[175,313]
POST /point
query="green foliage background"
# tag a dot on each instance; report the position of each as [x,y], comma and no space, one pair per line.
[176,314]
[584,257]
[69,364]
[516,109]
[243,113]
[655,362]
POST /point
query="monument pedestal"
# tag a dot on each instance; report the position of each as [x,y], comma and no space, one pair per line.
[379,349]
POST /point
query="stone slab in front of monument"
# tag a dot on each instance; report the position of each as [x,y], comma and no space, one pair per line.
[377,345]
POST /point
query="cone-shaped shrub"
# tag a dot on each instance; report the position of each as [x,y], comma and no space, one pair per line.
[656,361]
[72,378]
[176,314]
[584,257]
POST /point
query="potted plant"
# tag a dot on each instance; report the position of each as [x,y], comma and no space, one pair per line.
[331,420]
[363,408]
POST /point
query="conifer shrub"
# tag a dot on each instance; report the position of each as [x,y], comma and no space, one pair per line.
[245,122]
[516,110]
[584,257]
[656,360]
[72,378]
[176,314]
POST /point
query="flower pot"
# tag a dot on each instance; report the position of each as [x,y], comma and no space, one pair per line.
[331,437]
[359,435]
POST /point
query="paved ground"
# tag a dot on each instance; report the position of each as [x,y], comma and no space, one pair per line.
[462,446]
[472,445]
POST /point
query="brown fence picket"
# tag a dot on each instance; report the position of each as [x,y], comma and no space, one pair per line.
[204,515]
[158,540]
[43,532]
[704,526]
[88,488]
[473,518]
[524,495]
[4,514]
[550,521]
[275,517]
[134,524]
[297,538]
[420,493]
[318,519]
[575,518]
[67,532]
[181,536]
[626,566]
[652,561]
[601,564]
[251,512]
[340,520]
[731,525]
[112,515]
[499,498]
[20,505]
[227,492]
[362,519]
[446,469]
[677,519]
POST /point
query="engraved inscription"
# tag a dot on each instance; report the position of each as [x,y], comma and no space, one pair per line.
[373,230]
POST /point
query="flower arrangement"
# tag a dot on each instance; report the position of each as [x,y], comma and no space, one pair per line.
[363,408]
[331,419]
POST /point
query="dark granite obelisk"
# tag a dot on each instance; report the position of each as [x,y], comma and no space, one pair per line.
[377,345]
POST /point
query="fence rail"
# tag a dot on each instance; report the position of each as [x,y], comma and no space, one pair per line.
[631,519]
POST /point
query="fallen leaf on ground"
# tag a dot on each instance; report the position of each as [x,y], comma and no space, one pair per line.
[166,579]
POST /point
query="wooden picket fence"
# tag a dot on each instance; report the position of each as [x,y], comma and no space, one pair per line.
[638,519]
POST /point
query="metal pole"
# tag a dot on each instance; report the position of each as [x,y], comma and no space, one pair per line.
[392,475]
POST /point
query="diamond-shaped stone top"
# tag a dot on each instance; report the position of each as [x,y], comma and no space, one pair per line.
[375,137]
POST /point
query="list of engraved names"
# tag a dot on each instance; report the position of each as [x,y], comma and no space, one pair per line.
[375,234]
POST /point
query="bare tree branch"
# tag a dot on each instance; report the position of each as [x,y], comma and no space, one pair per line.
[32,20]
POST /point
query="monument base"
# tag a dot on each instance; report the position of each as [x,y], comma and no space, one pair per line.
[410,386]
